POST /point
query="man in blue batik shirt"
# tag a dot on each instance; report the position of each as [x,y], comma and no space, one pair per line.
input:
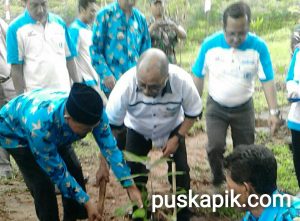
[37,127]
[120,36]
[252,173]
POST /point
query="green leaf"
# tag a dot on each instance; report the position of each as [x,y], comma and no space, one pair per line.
[139,213]
[134,176]
[135,158]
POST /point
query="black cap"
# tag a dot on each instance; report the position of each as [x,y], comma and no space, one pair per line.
[84,104]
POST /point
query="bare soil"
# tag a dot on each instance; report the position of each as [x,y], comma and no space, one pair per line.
[16,202]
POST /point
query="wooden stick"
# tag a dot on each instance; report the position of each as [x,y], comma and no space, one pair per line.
[174,218]
[101,198]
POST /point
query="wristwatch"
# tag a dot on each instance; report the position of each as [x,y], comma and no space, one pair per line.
[275,112]
[180,137]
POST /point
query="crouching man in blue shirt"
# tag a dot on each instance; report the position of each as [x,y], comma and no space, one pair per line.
[37,127]
[251,171]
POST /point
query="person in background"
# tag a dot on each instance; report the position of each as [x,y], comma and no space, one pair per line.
[40,50]
[293,95]
[120,36]
[164,32]
[81,34]
[37,128]
[252,170]
[7,92]
[233,58]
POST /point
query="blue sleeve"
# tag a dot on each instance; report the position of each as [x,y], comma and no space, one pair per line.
[111,152]
[98,47]
[12,46]
[290,73]
[71,46]
[48,158]
[74,34]
[265,60]
[198,66]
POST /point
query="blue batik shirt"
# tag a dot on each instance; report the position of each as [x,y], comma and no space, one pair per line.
[35,120]
[118,43]
[277,213]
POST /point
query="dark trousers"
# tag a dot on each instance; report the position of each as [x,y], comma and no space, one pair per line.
[296,152]
[42,189]
[137,144]
[218,118]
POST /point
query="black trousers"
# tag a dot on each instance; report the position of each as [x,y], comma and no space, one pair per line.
[137,144]
[296,153]
[42,189]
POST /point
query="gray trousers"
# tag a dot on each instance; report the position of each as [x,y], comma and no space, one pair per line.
[241,120]
[7,92]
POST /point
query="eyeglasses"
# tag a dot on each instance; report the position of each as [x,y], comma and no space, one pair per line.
[152,87]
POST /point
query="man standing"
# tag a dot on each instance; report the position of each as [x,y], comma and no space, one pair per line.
[7,92]
[164,32]
[120,36]
[232,58]
[158,103]
[40,50]
[81,35]
[37,128]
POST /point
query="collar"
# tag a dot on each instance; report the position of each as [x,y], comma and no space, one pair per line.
[30,19]
[120,11]
[167,88]
[82,24]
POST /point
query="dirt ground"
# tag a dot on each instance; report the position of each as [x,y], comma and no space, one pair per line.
[16,203]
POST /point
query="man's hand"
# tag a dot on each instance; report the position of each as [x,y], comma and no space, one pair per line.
[102,173]
[274,123]
[135,195]
[110,82]
[92,212]
[171,146]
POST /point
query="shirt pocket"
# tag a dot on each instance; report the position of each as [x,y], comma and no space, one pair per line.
[33,45]
[57,42]
[170,110]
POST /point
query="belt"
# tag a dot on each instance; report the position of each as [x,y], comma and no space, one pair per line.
[2,80]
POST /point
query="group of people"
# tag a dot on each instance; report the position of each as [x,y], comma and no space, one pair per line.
[107,80]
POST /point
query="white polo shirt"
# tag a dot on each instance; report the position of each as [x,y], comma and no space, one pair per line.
[41,50]
[4,67]
[232,71]
[154,118]
[293,85]
[81,35]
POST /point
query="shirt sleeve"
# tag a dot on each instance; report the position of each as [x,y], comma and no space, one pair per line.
[74,34]
[48,158]
[117,104]
[70,48]
[293,74]
[198,67]
[192,104]
[98,46]
[15,50]
[265,69]
[111,152]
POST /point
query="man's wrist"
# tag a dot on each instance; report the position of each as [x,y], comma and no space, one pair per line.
[179,136]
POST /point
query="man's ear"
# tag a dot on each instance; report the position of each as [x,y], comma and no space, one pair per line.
[248,188]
